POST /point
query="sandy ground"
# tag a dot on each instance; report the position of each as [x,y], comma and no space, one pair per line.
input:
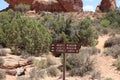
[103,64]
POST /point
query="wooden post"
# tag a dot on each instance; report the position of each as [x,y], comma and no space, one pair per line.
[64,65]
[64,48]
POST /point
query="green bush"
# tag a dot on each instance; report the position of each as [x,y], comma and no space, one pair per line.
[113,17]
[112,41]
[105,23]
[23,34]
[79,64]
[45,63]
[101,30]
[22,8]
[67,30]
[86,34]
[111,21]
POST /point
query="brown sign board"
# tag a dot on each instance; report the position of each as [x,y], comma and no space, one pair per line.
[64,48]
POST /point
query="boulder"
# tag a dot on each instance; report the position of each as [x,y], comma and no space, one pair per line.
[20,71]
[15,62]
[50,5]
[106,5]
[4,51]
[16,72]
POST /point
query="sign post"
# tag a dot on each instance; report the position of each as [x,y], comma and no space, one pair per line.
[64,65]
[64,48]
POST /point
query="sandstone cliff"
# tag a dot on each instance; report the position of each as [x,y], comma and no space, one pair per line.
[50,5]
[106,5]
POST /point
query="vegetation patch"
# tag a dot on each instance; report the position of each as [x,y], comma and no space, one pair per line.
[90,50]
[1,62]
[112,41]
[2,74]
[117,63]
[53,71]
[79,64]
[113,51]
[23,34]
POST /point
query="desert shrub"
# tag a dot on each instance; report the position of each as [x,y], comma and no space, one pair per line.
[22,8]
[114,51]
[22,33]
[117,63]
[25,54]
[51,60]
[45,67]
[33,37]
[67,30]
[79,64]
[1,62]
[53,71]
[5,51]
[36,74]
[86,34]
[2,53]
[23,78]
[90,50]
[41,64]
[30,60]
[114,18]
[105,31]
[102,30]
[105,23]
[2,74]
[111,20]
[112,41]
[45,63]
[96,75]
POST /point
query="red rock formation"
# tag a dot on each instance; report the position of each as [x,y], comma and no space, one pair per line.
[50,5]
[106,5]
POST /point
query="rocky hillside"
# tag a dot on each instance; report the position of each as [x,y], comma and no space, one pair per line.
[62,5]
[106,5]
[50,5]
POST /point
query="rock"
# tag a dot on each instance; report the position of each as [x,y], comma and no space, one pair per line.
[16,72]
[31,12]
[106,5]
[11,72]
[20,71]
[4,51]
[13,62]
[49,5]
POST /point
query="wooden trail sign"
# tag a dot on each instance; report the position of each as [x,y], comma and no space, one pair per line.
[64,48]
